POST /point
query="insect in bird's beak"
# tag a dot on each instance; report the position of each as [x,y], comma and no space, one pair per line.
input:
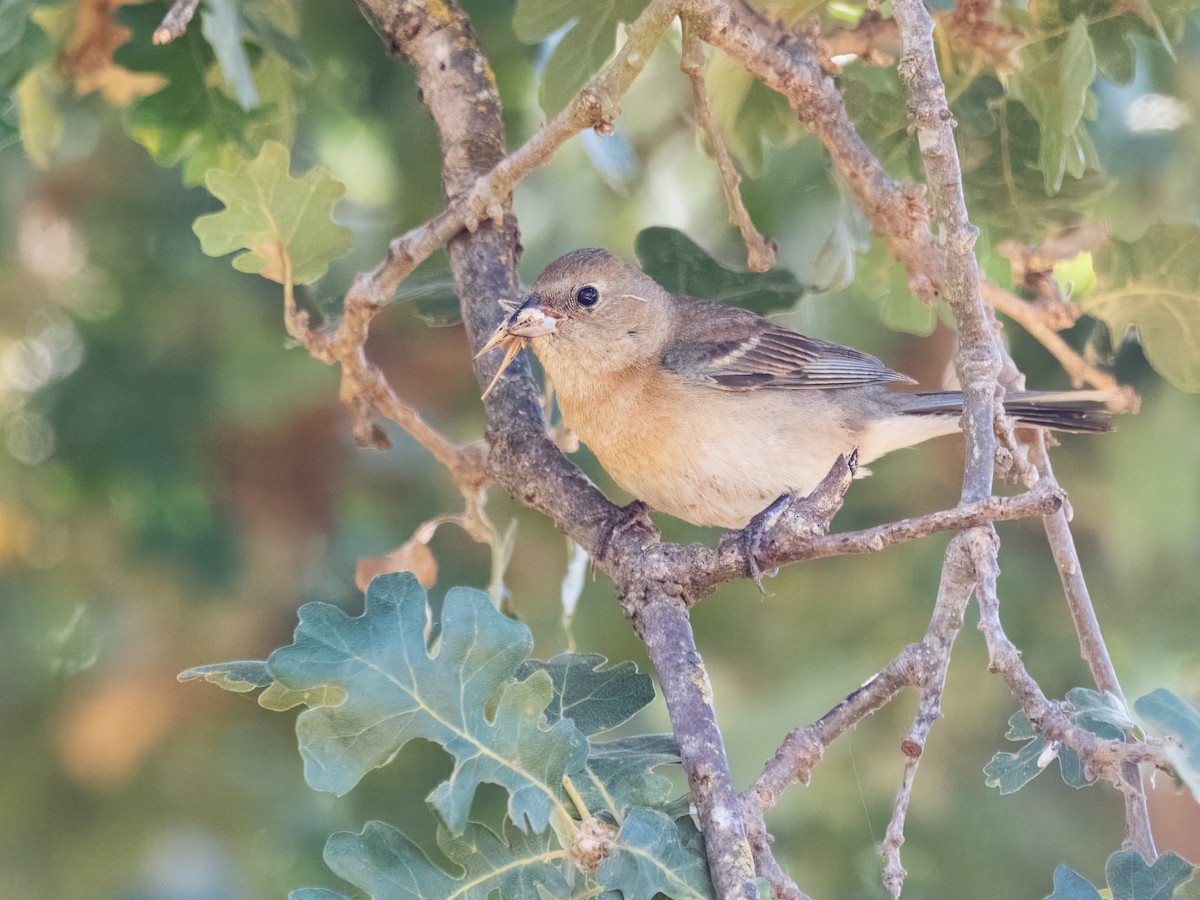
[528,320]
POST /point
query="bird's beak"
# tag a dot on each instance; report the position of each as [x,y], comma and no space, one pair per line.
[528,320]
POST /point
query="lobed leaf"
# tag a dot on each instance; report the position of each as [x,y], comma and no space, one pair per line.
[620,774]
[1129,878]
[648,858]
[1070,885]
[396,689]
[595,699]
[284,224]
[680,265]
[188,120]
[1053,85]
[1103,714]
[385,864]
[240,676]
[1153,285]
[588,37]
[1173,716]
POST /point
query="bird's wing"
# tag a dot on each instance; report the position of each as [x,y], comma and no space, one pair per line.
[739,351]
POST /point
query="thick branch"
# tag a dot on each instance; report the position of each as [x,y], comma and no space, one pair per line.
[662,622]
[455,78]
[491,184]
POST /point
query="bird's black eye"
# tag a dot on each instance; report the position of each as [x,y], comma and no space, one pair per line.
[587,296]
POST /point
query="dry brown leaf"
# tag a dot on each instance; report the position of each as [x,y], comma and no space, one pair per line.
[89,56]
[414,556]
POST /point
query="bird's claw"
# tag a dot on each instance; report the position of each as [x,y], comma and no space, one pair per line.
[752,535]
[632,515]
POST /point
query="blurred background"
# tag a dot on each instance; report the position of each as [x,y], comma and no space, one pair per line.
[175,480]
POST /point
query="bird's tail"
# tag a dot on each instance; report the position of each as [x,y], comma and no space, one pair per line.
[1075,411]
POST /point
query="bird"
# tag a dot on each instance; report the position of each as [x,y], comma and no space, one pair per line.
[709,412]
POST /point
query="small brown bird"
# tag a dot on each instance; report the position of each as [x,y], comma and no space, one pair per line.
[710,412]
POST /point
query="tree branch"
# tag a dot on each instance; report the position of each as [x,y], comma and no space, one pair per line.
[760,252]
[1081,372]
[784,61]
[175,22]
[954,593]
[1138,835]
[1103,758]
[662,622]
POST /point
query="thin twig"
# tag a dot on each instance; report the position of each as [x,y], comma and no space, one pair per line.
[788,63]
[791,539]
[782,887]
[954,593]
[1138,835]
[804,747]
[1081,372]
[1107,759]
[760,252]
[977,359]
[175,22]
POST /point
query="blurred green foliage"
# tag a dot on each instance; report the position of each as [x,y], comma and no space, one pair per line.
[175,479]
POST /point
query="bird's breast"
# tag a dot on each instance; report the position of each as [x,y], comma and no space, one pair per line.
[705,455]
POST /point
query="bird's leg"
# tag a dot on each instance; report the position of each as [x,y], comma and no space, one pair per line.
[632,515]
[809,514]
[752,535]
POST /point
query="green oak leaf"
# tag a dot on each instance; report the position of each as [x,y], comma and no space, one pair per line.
[316,894]
[1004,185]
[1103,714]
[752,117]
[1153,285]
[589,39]
[23,43]
[1070,885]
[594,698]
[648,858]
[1053,84]
[1171,715]
[191,120]
[386,865]
[1130,878]
[620,774]
[463,697]
[680,265]
[221,24]
[282,222]
[240,676]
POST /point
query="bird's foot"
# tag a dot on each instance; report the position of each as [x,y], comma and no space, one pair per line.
[632,515]
[810,513]
[751,537]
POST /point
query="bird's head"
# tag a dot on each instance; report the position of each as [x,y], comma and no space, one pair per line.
[589,309]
